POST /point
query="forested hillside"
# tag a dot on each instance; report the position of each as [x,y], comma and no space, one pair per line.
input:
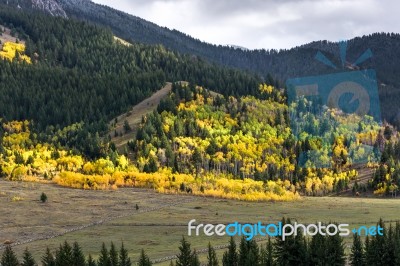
[283,64]
[299,61]
[225,134]
[81,74]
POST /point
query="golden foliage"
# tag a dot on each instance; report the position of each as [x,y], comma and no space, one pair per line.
[11,49]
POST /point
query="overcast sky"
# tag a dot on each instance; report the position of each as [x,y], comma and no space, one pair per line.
[267,23]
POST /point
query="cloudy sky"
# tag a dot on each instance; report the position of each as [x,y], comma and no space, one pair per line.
[267,23]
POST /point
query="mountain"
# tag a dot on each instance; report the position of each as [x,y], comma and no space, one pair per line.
[83,74]
[49,6]
[297,62]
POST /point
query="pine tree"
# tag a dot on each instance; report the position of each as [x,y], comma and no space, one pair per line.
[78,258]
[253,257]
[124,259]
[357,252]
[90,261]
[113,255]
[243,252]
[64,255]
[28,259]
[230,257]
[263,255]
[270,251]
[104,258]
[48,259]
[317,250]
[184,258]
[335,250]
[397,243]
[195,259]
[292,250]
[389,257]
[375,253]
[144,259]
[9,258]
[212,256]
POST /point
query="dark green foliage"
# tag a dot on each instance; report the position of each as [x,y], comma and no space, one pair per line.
[124,259]
[104,258]
[195,259]
[230,257]
[266,254]
[292,250]
[212,259]
[27,259]
[90,261]
[48,258]
[77,255]
[64,255]
[317,250]
[82,74]
[43,197]
[335,250]
[9,258]
[357,257]
[185,256]
[127,127]
[113,255]
[144,259]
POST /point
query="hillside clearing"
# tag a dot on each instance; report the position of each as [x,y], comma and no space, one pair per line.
[6,36]
[134,117]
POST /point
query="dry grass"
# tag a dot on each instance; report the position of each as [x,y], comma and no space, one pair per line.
[6,37]
[134,116]
[158,232]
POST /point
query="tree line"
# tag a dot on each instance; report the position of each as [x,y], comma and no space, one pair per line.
[294,250]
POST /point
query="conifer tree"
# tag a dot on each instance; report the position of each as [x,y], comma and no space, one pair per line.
[292,250]
[144,259]
[230,257]
[104,258]
[64,255]
[9,258]
[184,258]
[212,259]
[27,259]
[48,259]
[90,261]
[195,259]
[335,250]
[124,259]
[113,255]
[243,251]
[357,252]
[317,249]
[78,258]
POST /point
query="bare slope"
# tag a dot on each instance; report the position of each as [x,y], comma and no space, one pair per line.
[134,116]
[6,36]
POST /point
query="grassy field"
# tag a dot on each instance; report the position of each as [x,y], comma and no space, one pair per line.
[161,220]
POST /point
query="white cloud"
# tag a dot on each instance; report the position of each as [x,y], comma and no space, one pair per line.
[266,23]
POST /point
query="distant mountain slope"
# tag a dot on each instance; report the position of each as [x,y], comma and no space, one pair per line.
[282,64]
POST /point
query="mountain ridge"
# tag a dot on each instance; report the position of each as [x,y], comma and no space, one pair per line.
[281,65]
